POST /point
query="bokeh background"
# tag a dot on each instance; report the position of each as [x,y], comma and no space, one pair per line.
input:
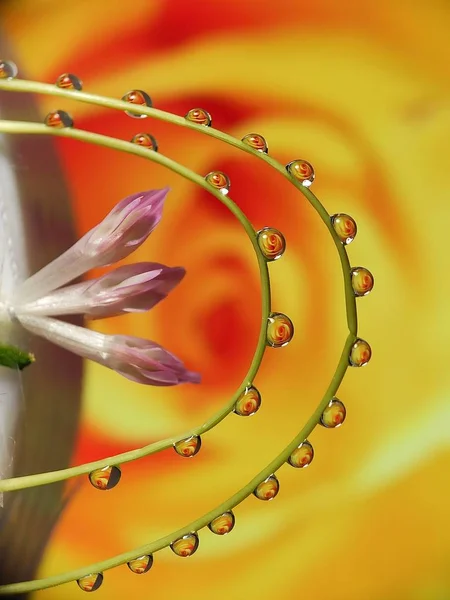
[361,90]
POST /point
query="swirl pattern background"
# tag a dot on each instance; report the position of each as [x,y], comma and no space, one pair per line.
[360,91]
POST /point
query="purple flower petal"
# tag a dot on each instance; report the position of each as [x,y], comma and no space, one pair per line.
[123,230]
[129,288]
[137,359]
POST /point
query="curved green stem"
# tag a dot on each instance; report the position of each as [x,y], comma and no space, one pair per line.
[17,483]
[8,127]
[195,526]
[20,85]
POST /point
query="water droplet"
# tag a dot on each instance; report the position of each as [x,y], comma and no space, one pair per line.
[106,478]
[223,524]
[90,583]
[8,69]
[345,227]
[248,403]
[360,353]
[146,140]
[199,116]
[189,447]
[362,281]
[256,141]
[267,489]
[139,98]
[219,180]
[272,243]
[302,456]
[186,545]
[280,330]
[141,565]
[302,171]
[68,81]
[334,414]
[58,119]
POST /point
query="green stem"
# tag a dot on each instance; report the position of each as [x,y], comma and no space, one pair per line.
[234,500]
[237,498]
[20,85]
[27,481]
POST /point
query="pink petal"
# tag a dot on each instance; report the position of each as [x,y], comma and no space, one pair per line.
[123,230]
[146,362]
[129,288]
[137,359]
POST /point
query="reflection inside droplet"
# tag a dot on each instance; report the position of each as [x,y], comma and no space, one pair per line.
[68,81]
[90,583]
[302,456]
[222,524]
[58,119]
[302,171]
[141,565]
[189,447]
[248,403]
[345,227]
[280,330]
[267,489]
[362,281]
[106,478]
[139,98]
[199,116]
[8,69]
[272,243]
[186,545]
[334,414]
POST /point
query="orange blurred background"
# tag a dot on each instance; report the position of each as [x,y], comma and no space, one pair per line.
[361,91]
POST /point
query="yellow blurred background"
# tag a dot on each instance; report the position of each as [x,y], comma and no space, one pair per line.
[361,90]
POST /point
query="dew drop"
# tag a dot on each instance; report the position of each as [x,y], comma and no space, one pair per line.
[220,181]
[68,81]
[186,545]
[58,119]
[280,330]
[334,414]
[141,565]
[90,583]
[139,98]
[302,171]
[199,116]
[256,141]
[267,489]
[189,447]
[362,281]
[8,69]
[222,524]
[106,478]
[302,456]
[360,353]
[146,140]
[345,227]
[272,243]
[248,403]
